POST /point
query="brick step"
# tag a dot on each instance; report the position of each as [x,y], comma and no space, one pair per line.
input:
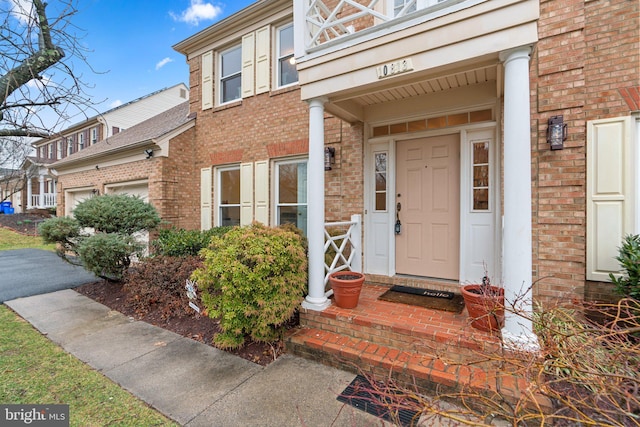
[410,369]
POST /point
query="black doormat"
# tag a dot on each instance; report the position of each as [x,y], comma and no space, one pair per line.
[362,395]
[435,300]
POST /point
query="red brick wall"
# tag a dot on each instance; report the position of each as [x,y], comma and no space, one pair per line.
[587,52]
[163,175]
[274,126]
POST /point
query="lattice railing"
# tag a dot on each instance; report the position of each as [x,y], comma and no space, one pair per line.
[342,247]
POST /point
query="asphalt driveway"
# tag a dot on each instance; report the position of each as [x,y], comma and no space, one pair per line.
[27,272]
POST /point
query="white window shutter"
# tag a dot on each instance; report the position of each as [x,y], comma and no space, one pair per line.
[262,191]
[248,64]
[263,59]
[205,198]
[246,193]
[207,80]
[610,194]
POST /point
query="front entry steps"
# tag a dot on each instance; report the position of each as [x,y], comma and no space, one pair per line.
[416,347]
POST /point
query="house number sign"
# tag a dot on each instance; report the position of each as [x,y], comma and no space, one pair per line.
[393,68]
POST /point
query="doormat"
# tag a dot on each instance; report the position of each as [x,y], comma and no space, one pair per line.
[427,298]
[362,395]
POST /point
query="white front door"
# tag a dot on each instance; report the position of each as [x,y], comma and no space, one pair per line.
[428,207]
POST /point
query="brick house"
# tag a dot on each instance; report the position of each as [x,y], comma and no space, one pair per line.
[438,113]
[40,191]
[146,160]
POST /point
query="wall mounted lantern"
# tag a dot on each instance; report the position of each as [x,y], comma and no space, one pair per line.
[329,157]
[149,153]
[556,132]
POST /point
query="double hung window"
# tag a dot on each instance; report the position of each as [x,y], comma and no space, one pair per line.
[229,191]
[230,74]
[291,193]
[287,72]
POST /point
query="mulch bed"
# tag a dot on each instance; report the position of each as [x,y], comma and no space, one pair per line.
[24,223]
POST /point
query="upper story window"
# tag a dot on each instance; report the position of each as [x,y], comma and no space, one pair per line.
[94,135]
[81,141]
[287,72]
[60,149]
[50,150]
[69,146]
[230,74]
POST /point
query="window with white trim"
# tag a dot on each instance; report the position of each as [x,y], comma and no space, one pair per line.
[69,146]
[381,188]
[50,150]
[480,184]
[228,209]
[287,72]
[291,193]
[81,141]
[94,135]
[230,71]
[60,144]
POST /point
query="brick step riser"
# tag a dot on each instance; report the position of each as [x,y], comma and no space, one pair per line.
[433,345]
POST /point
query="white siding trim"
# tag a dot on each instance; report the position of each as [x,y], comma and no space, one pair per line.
[248,64]
[207,80]
[246,193]
[262,191]
[610,193]
[263,59]
[206,186]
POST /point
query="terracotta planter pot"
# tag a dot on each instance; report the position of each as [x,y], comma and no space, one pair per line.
[346,287]
[485,307]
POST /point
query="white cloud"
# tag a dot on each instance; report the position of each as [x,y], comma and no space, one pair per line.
[162,63]
[198,11]
[115,103]
[21,10]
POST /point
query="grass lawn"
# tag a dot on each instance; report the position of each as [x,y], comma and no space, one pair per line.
[33,370]
[11,240]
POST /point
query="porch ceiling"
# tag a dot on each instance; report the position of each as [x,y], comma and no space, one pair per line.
[351,106]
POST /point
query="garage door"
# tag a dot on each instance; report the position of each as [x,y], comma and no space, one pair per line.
[140,189]
[73,197]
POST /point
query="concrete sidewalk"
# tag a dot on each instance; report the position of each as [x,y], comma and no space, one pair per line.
[192,383]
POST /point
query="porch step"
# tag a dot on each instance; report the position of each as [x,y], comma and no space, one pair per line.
[417,347]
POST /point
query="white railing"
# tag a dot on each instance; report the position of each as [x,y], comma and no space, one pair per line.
[342,247]
[46,200]
[324,24]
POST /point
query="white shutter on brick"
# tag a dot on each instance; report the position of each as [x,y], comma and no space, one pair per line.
[263,59]
[207,80]
[246,193]
[610,193]
[205,198]
[262,191]
[248,64]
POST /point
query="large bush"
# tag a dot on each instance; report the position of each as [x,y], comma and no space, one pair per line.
[253,280]
[116,213]
[114,218]
[179,242]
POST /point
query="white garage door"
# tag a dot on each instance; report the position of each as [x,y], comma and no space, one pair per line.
[140,189]
[73,197]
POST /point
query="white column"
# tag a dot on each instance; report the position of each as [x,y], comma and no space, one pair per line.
[316,299]
[29,193]
[517,264]
[41,195]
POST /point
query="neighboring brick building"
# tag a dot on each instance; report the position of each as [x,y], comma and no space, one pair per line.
[152,160]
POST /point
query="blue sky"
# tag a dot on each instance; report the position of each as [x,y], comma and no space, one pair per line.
[131,43]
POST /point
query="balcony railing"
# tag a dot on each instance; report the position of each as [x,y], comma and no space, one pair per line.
[325,22]
[46,200]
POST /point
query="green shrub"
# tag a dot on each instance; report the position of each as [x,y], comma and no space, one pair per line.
[114,218]
[628,285]
[62,230]
[253,281]
[180,242]
[159,283]
[116,213]
[108,255]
